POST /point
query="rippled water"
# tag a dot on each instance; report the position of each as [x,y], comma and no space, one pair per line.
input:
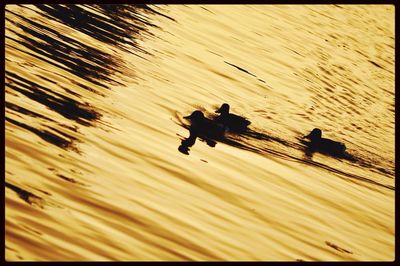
[95,96]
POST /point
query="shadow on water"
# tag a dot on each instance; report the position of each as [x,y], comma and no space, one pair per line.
[259,142]
[49,136]
[83,114]
[116,25]
[64,52]
[25,195]
[71,109]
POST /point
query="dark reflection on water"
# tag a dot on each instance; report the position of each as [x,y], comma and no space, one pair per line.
[69,108]
[48,136]
[120,25]
[63,105]
[187,143]
[19,109]
[117,25]
[64,52]
[25,195]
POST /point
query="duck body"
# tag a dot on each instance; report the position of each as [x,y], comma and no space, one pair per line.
[317,143]
[204,127]
[232,122]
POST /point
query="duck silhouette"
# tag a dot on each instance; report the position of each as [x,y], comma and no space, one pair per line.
[328,146]
[232,122]
[204,128]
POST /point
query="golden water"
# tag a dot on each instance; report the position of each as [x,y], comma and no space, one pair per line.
[95,97]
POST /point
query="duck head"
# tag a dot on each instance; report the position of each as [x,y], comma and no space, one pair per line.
[315,134]
[224,109]
[196,116]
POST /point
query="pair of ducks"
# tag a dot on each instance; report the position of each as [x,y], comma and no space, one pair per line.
[216,129]
[211,130]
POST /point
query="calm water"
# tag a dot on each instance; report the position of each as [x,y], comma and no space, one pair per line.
[95,97]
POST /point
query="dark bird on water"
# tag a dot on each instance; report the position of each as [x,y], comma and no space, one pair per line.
[232,122]
[204,127]
[317,143]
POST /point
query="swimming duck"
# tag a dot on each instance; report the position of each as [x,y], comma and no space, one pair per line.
[204,127]
[234,123]
[318,143]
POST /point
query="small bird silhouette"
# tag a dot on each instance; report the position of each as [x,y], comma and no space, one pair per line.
[234,123]
[317,143]
[205,127]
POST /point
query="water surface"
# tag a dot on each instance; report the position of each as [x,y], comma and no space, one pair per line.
[94,100]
